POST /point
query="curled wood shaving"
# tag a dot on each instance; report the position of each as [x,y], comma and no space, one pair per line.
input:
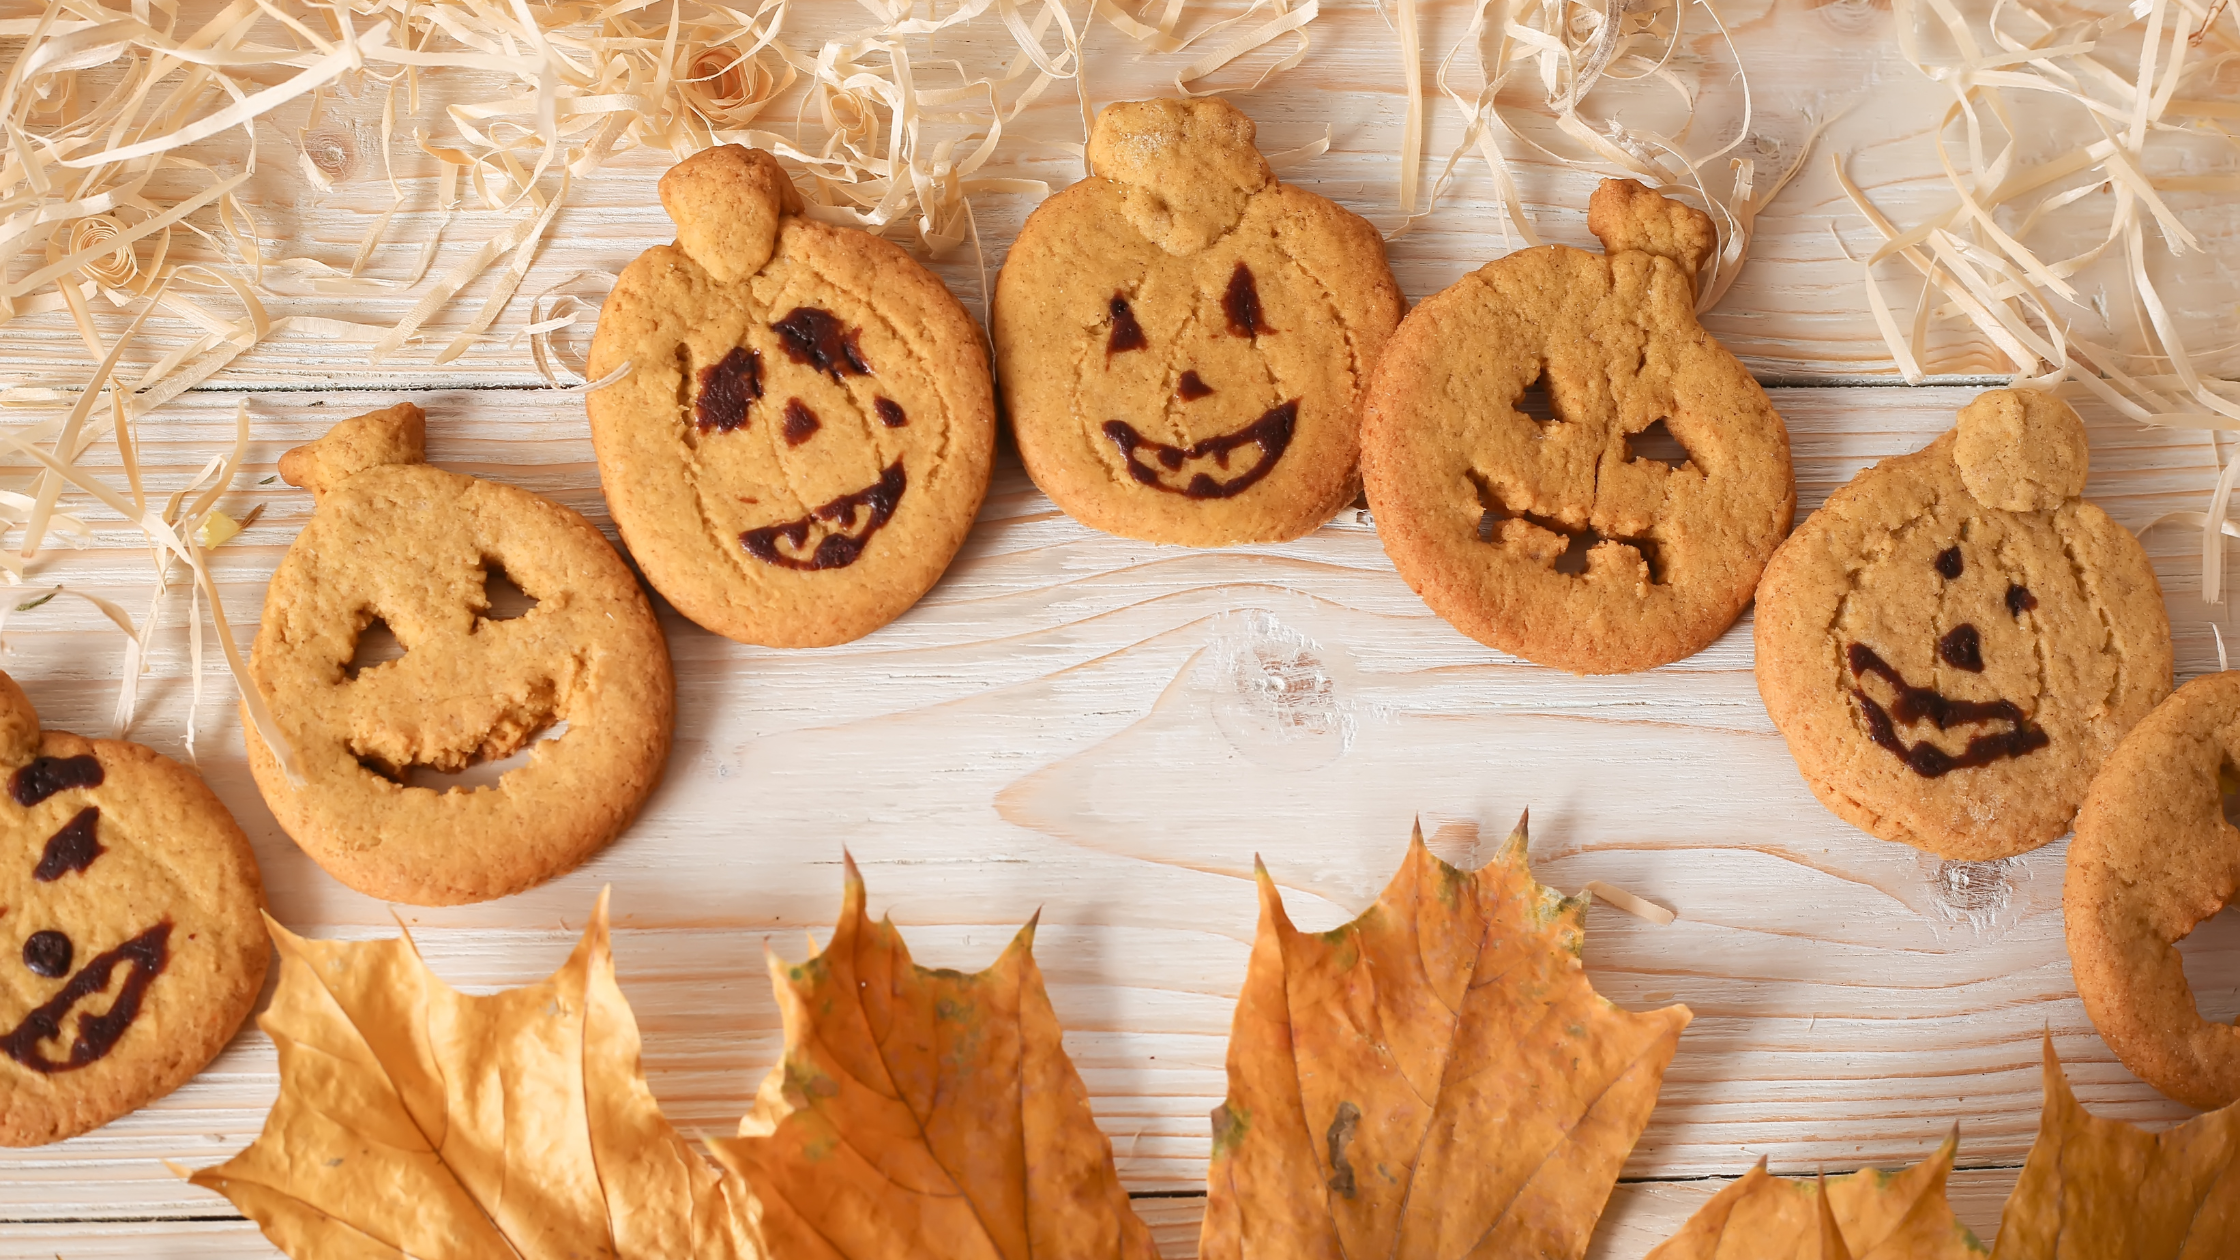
[1569,48]
[1638,907]
[2125,90]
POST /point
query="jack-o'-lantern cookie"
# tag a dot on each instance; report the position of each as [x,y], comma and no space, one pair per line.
[2155,856]
[132,939]
[1182,339]
[1572,540]
[807,426]
[1955,642]
[420,550]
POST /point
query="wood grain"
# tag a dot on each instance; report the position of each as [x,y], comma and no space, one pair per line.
[1110,731]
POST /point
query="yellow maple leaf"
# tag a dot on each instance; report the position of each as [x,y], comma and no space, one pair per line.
[2094,1188]
[926,1113]
[1435,1078]
[1866,1215]
[414,1120]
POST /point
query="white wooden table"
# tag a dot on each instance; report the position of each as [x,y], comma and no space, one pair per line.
[1110,731]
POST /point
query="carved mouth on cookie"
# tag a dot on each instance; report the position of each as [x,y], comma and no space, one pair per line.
[95,1036]
[1202,470]
[831,536]
[1912,704]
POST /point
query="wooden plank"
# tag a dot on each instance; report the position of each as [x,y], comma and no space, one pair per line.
[1640,1215]
[1110,731]
[1798,312]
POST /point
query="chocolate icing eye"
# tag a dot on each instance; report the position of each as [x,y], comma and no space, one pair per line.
[48,954]
[71,849]
[815,336]
[1241,303]
[45,776]
[1126,334]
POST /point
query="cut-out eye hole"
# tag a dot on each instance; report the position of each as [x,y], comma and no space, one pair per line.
[377,645]
[2228,792]
[504,599]
[1539,405]
[1657,443]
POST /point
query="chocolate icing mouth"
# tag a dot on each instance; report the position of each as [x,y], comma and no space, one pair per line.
[97,1035]
[1271,433]
[844,536]
[1925,704]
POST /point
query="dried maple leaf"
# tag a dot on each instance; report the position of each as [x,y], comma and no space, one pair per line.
[2094,1188]
[1866,1215]
[1435,1078]
[414,1120]
[926,1113]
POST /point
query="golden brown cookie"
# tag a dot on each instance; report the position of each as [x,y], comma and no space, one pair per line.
[2154,856]
[132,939]
[1182,339]
[1555,538]
[418,549]
[806,430]
[1956,641]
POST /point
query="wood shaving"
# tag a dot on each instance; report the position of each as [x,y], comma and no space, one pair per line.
[2126,91]
[1639,908]
[1570,48]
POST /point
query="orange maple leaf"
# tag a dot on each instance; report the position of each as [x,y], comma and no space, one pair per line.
[2093,1188]
[415,1120]
[1435,1078]
[926,1113]
[1866,1215]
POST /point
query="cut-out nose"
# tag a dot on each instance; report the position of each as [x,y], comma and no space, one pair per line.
[1656,443]
[377,644]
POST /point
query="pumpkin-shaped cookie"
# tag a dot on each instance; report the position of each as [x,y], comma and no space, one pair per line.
[132,939]
[415,547]
[1562,539]
[2155,856]
[1182,339]
[1955,641]
[806,429]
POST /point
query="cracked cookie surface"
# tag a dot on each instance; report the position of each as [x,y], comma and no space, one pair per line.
[132,940]
[421,551]
[1957,640]
[1568,537]
[1182,339]
[806,429]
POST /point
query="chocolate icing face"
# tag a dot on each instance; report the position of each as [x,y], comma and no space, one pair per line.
[1210,465]
[48,952]
[131,939]
[728,401]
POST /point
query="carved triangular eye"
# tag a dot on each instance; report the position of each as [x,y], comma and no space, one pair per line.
[503,598]
[377,645]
